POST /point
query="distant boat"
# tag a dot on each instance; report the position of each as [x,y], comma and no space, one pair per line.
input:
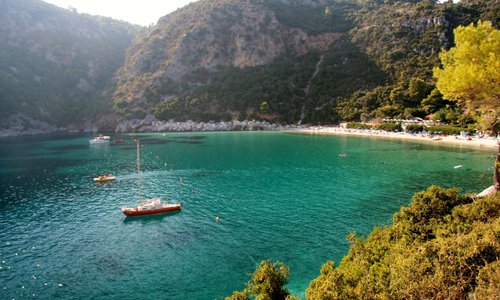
[104,178]
[102,139]
[148,207]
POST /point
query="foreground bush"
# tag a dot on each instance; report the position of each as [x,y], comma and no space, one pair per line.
[442,246]
[267,282]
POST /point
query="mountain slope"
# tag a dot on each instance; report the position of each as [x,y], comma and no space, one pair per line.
[57,65]
[290,61]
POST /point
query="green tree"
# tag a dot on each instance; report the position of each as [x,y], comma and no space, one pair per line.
[267,283]
[470,71]
[264,107]
[418,90]
[471,74]
[434,102]
[398,96]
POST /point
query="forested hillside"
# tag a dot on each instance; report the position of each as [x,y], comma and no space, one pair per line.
[56,65]
[286,61]
[295,61]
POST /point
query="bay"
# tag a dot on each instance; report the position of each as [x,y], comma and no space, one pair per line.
[280,196]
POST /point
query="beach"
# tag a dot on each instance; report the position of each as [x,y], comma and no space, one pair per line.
[485,143]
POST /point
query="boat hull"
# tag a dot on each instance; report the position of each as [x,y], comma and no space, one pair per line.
[104,179]
[138,212]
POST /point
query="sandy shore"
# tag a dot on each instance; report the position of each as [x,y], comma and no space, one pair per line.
[489,144]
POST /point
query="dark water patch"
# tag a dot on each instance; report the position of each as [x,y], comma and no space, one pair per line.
[68,147]
[155,141]
[206,173]
[190,142]
[40,138]
[139,137]
[127,147]
[111,265]
[188,137]
[38,166]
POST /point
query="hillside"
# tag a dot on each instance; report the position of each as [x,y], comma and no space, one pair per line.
[286,61]
[56,65]
[291,61]
[441,246]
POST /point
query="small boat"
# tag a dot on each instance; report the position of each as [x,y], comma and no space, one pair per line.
[102,139]
[104,178]
[148,207]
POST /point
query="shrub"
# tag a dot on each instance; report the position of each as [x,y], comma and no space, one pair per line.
[389,127]
[415,128]
[449,130]
[356,125]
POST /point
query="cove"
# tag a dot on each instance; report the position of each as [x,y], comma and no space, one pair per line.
[279,196]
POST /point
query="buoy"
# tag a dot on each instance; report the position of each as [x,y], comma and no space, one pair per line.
[217,219]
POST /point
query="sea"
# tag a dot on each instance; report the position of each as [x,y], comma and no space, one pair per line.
[281,196]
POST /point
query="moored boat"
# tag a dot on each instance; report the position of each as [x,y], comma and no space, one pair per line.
[104,178]
[148,207]
[102,139]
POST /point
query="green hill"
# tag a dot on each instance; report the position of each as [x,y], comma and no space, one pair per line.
[287,61]
[56,65]
[304,61]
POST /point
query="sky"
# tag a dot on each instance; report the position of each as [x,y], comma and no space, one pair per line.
[141,12]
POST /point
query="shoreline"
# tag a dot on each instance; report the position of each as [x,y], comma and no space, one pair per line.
[439,140]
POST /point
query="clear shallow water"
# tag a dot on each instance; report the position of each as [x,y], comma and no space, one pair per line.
[281,196]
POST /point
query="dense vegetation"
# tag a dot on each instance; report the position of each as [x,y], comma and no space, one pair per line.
[471,72]
[380,67]
[442,246]
[287,61]
[57,65]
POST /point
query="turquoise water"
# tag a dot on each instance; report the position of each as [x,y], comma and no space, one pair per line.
[281,196]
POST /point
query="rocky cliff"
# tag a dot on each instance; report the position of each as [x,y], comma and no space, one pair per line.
[209,35]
